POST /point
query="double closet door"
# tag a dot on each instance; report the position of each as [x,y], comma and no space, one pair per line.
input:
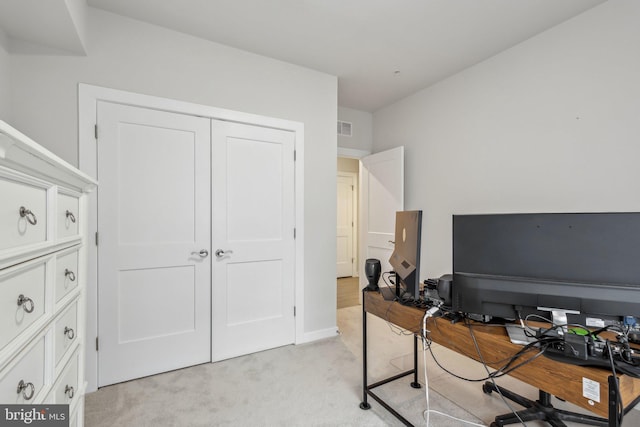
[196,244]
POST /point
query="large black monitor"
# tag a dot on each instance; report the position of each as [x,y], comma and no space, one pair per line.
[405,259]
[506,264]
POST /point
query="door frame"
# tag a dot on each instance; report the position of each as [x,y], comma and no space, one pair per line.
[88,97]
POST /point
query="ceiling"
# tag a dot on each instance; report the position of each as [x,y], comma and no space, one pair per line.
[380,50]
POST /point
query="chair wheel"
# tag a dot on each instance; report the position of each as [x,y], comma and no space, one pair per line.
[487,389]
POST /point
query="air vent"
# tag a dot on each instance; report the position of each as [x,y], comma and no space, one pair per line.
[344,128]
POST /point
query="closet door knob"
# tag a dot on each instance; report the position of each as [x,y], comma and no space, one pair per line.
[203,253]
[70,215]
[221,253]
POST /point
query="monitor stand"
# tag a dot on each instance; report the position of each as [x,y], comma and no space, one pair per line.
[559,318]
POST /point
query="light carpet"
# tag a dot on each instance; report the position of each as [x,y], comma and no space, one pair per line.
[315,384]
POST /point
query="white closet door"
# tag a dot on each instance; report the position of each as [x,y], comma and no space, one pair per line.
[154,242]
[253,236]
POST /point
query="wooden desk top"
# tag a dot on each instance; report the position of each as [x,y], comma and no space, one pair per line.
[559,379]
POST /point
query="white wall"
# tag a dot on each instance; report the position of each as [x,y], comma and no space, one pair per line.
[551,125]
[348,165]
[133,56]
[362,129]
[4,83]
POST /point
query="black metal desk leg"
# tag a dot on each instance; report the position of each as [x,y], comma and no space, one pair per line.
[365,387]
[415,383]
[613,402]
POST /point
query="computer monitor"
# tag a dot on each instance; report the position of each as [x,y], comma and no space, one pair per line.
[405,259]
[507,265]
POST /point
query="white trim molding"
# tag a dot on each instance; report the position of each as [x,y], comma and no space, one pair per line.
[318,335]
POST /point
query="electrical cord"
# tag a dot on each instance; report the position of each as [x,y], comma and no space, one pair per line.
[624,361]
[426,344]
[506,368]
[386,277]
[493,380]
[545,339]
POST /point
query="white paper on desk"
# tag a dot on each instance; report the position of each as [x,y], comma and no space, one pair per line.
[591,389]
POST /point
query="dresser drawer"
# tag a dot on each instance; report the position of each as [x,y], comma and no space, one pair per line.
[66,331]
[23,382]
[23,214]
[66,274]
[65,389]
[68,215]
[22,299]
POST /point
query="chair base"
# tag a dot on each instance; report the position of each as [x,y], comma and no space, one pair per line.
[540,409]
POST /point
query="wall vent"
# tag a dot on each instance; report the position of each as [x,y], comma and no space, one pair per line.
[344,128]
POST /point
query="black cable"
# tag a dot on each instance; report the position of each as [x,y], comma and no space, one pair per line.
[384,278]
[394,328]
[619,405]
[493,380]
[504,370]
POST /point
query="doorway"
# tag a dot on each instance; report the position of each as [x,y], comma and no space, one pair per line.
[347,249]
[381,182]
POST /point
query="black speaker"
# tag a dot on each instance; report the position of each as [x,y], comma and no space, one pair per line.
[372,270]
[445,286]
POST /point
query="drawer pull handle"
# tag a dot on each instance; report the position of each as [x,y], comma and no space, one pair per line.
[70,274]
[68,390]
[26,303]
[27,390]
[70,215]
[30,216]
[70,333]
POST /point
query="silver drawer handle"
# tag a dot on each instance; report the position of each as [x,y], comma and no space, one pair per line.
[70,274]
[70,333]
[30,216]
[68,390]
[24,388]
[26,303]
[70,215]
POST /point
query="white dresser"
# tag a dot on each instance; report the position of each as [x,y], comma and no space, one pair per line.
[43,233]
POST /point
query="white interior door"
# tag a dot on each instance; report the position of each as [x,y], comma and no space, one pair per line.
[382,178]
[154,238]
[253,238]
[345,225]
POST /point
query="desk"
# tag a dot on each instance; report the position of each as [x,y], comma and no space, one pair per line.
[562,380]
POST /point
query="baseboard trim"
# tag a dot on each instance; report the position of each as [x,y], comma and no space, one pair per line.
[318,335]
